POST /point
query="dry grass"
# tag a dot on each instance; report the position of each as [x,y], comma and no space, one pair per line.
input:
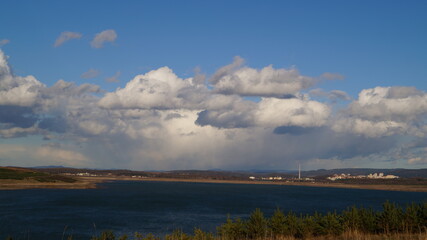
[361,236]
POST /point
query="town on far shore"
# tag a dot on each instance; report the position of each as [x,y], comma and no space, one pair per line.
[331,178]
[350,175]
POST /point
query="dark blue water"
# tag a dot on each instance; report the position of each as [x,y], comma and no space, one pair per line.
[160,207]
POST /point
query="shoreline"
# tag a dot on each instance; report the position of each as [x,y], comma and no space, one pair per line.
[404,188]
[92,183]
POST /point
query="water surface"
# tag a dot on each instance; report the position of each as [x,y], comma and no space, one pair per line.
[160,207]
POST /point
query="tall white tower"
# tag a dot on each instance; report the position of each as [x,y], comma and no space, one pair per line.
[299,171]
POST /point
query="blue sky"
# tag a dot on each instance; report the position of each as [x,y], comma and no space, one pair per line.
[371,43]
[363,44]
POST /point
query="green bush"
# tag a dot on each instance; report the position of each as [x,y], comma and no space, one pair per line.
[105,235]
[257,225]
[390,219]
[150,236]
[233,230]
[201,235]
[351,219]
[177,235]
[277,224]
[306,227]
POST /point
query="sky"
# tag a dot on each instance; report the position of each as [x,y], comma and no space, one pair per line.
[233,85]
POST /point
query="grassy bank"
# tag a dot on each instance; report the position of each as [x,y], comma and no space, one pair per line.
[200,235]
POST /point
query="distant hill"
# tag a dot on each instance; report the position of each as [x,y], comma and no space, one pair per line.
[222,174]
[52,166]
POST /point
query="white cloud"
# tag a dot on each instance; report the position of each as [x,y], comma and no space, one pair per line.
[269,112]
[93,127]
[67,96]
[4,42]
[227,70]
[385,111]
[91,73]
[245,81]
[161,121]
[370,128]
[390,103]
[15,90]
[239,114]
[66,36]
[103,37]
[273,112]
[157,89]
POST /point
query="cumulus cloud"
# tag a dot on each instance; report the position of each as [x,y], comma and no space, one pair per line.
[4,42]
[28,107]
[157,89]
[91,73]
[385,111]
[390,103]
[268,82]
[159,120]
[227,70]
[103,37]
[66,36]
[238,115]
[66,97]
[269,112]
[370,128]
[15,90]
[274,112]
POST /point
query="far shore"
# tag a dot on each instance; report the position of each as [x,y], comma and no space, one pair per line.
[7,184]
[92,182]
[405,188]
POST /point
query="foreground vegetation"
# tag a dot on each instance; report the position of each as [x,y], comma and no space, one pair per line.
[392,222]
[25,174]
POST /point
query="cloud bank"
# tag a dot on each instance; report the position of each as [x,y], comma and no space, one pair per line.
[159,120]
